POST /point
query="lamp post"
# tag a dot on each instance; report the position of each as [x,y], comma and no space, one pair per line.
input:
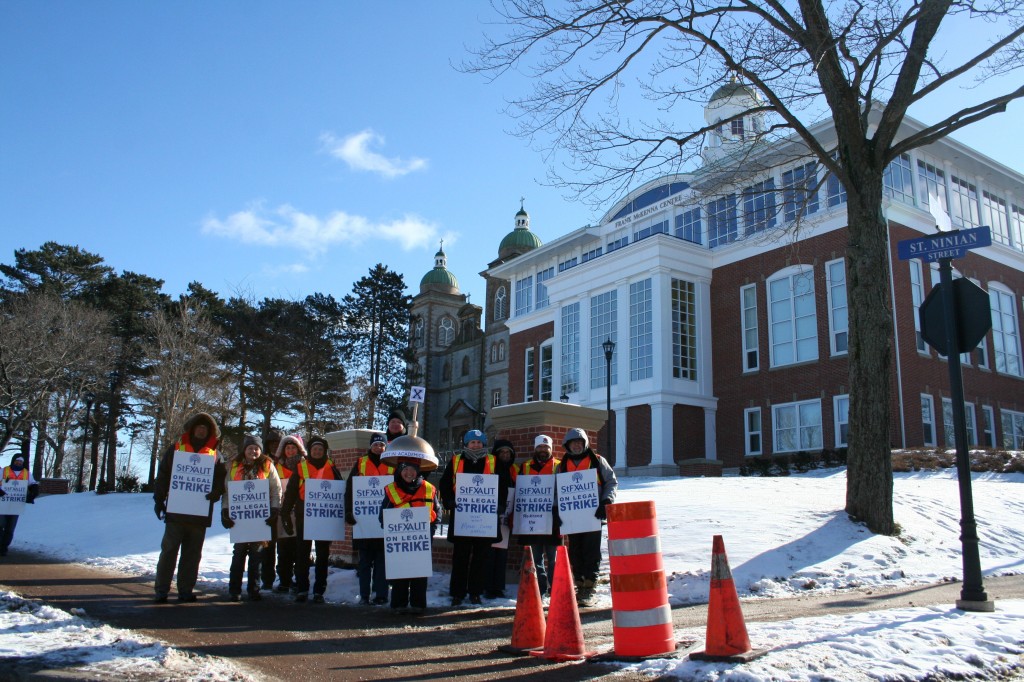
[89,397]
[609,348]
[564,398]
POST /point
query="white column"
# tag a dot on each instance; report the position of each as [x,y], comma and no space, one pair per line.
[662,452]
[620,437]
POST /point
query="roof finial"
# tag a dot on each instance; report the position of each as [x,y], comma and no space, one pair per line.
[442,245]
[522,200]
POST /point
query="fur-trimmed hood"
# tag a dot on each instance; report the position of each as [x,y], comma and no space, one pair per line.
[211,426]
[285,441]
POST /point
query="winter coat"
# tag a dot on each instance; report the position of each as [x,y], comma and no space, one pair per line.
[447,488]
[162,485]
[286,472]
[607,483]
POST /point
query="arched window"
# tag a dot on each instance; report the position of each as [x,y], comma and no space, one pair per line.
[446,372]
[494,352]
[500,303]
[445,331]
[417,333]
[501,351]
[465,366]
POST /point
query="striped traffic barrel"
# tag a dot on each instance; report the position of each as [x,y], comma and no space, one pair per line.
[641,617]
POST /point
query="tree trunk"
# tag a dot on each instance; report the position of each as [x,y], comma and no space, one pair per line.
[155,449]
[37,461]
[869,459]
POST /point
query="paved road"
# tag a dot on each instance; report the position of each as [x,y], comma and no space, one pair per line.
[279,640]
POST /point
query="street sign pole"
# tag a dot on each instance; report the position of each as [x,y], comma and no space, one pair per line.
[972,594]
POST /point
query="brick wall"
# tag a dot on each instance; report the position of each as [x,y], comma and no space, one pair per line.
[54,486]
[687,432]
[517,345]
[638,435]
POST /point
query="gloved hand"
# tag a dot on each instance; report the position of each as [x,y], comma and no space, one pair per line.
[272,519]
[2,493]
[601,512]
[350,519]
[161,509]
[212,496]
[226,520]
[289,527]
[32,494]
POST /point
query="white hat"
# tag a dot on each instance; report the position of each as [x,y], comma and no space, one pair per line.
[542,440]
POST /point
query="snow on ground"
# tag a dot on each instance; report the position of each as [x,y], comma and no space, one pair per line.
[783,536]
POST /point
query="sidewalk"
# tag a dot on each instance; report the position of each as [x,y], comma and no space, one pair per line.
[283,640]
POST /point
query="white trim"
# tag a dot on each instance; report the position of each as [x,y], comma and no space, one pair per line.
[833,331]
[748,432]
[801,429]
[747,349]
[836,424]
[929,412]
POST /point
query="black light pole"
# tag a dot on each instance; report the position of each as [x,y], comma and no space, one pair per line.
[609,348]
[89,397]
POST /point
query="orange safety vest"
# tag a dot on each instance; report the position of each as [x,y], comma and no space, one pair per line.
[368,468]
[187,447]
[490,465]
[237,470]
[423,497]
[569,466]
[9,474]
[282,472]
[307,470]
[548,468]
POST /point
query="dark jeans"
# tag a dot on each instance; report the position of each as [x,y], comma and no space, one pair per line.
[7,525]
[253,551]
[189,540]
[469,563]
[267,564]
[497,563]
[286,555]
[409,592]
[371,569]
[323,554]
[544,563]
[585,555]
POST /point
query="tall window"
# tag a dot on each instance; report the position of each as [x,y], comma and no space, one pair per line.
[736,128]
[500,303]
[988,420]
[603,314]
[797,426]
[496,397]
[841,417]
[722,221]
[546,370]
[542,289]
[927,419]
[752,430]
[688,226]
[947,423]
[445,331]
[465,366]
[800,191]
[501,351]
[494,352]
[1017,227]
[684,330]
[748,314]
[838,325]
[570,348]
[792,323]
[1013,429]
[964,199]
[931,182]
[524,295]
[641,331]
[993,212]
[531,375]
[897,181]
[759,207]
[1005,335]
[917,296]
[835,191]
[418,332]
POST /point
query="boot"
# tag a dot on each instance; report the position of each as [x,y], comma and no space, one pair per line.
[585,594]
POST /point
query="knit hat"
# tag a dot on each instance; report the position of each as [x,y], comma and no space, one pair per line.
[252,440]
[275,435]
[322,441]
[398,414]
[378,438]
[501,443]
[543,440]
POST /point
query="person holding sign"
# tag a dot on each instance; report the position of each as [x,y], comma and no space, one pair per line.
[288,449]
[544,545]
[190,478]
[270,443]
[497,558]
[475,514]
[19,481]
[242,502]
[371,569]
[410,489]
[585,547]
[317,466]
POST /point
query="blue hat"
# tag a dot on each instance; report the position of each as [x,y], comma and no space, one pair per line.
[378,438]
[474,434]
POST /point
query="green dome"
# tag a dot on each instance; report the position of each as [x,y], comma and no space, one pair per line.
[519,240]
[439,276]
[730,89]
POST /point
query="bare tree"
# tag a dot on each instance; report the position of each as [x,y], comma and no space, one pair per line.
[862,64]
[51,352]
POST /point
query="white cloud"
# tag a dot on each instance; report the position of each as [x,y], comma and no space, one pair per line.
[287,227]
[355,151]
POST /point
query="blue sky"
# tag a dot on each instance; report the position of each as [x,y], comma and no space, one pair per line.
[276,149]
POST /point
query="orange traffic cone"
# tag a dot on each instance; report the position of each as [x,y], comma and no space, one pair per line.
[528,627]
[726,638]
[563,640]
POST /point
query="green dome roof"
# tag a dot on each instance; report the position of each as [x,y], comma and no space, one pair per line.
[519,240]
[730,89]
[440,276]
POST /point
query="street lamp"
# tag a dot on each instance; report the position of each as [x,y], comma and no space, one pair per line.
[564,398]
[89,397]
[609,348]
